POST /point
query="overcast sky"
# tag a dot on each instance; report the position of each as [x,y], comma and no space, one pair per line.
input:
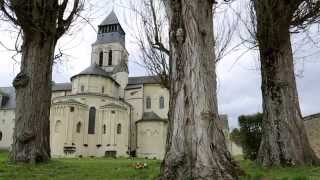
[238,79]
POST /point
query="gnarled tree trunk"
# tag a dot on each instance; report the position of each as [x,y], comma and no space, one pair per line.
[284,139]
[33,91]
[42,23]
[196,147]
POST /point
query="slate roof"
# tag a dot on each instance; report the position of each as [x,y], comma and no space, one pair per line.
[94,70]
[61,87]
[113,105]
[10,95]
[70,101]
[97,71]
[110,19]
[311,117]
[133,82]
[121,67]
[143,80]
[151,116]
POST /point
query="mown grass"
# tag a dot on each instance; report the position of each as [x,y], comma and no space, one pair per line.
[122,169]
[256,172]
[78,169]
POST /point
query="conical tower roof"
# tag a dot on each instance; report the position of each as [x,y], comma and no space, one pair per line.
[110,19]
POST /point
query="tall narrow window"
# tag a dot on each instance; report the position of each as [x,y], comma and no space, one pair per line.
[78,127]
[100,58]
[148,102]
[102,89]
[119,129]
[161,102]
[92,120]
[110,58]
[82,88]
[58,127]
[0,135]
[104,129]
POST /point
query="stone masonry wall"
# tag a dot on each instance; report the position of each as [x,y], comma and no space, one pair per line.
[312,125]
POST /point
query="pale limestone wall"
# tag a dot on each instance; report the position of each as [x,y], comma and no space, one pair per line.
[312,125]
[122,79]
[94,84]
[89,144]
[155,91]
[7,118]
[63,128]
[151,139]
[135,98]
[118,52]
[59,94]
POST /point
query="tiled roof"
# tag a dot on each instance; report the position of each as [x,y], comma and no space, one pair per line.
[143,80]
[10,94]
[97,71]
[61,87]
[10,97]
[151,116]
[311,117]
[94,70]
[110,19]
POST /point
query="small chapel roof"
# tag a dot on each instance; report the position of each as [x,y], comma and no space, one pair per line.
[96,71]
[110,19]
[151,116]
[143,80]
[61,87]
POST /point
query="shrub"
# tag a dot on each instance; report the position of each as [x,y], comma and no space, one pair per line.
[249,135]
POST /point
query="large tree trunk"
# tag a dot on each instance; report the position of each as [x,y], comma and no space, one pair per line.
[42,23]
[196,147]
[284,139]
[33,93]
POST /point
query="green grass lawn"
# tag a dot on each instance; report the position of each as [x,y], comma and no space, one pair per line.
[78,169]
[122,169]
[256,172]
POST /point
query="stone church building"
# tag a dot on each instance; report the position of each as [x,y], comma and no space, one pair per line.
[102,112]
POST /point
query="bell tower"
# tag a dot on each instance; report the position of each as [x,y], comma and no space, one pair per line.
[109,51]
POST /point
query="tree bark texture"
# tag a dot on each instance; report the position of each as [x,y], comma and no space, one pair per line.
[196,147]
[284,139]
[33,92]
[38,22]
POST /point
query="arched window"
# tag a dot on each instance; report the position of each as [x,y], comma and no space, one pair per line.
[79,127]
[110,58]
[0,135]
[92,120]
[100,58]
[148,102]
[104,129]
[119,129]
[161,102]
[58,127]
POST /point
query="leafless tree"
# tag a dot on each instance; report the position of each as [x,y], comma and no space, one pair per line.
[284,140]
[42,23]
[153,37]
[196,147]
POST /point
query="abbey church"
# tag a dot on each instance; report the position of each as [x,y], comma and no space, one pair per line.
[102,112]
